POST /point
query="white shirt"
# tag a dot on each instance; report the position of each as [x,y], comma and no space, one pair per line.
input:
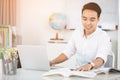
[88,49]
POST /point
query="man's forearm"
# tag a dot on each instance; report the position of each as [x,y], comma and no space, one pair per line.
[61,58]
[98,62]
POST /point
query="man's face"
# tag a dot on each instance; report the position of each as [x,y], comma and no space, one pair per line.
[89,21]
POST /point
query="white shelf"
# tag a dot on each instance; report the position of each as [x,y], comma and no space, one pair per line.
[57,41]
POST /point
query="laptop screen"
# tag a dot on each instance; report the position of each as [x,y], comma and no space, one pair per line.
[33,57]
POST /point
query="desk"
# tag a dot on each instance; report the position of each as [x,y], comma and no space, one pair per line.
[36,75]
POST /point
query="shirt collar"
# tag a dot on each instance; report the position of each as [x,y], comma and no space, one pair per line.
[91,35]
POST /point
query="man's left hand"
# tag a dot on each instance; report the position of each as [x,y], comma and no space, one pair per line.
[86,67]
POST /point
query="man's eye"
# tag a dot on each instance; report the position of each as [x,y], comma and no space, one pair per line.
[84,19]
[92,20]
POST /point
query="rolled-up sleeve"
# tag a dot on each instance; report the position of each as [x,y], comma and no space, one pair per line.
[70,48]
[104,47]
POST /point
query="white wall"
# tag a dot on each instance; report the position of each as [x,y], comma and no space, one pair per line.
[119,40]
[32,19]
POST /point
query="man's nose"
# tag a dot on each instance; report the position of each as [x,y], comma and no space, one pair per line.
[88,22]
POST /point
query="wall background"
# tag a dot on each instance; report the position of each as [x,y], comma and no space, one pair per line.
[119,39]
[32,19]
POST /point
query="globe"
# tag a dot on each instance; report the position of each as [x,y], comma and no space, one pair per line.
[57,22]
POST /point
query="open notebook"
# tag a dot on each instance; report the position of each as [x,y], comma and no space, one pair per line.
[66,72]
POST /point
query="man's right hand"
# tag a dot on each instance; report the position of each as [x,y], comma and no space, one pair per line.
[52,64]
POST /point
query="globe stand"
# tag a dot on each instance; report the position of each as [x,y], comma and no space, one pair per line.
[57,37]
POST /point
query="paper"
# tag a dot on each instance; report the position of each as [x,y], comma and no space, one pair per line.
[66,72]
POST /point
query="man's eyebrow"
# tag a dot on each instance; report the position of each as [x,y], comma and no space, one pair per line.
[90,18]
[83,17]
[93,18]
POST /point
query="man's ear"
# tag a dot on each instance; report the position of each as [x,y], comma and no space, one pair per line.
[98,19]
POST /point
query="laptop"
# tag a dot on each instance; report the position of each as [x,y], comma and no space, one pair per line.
[33,57]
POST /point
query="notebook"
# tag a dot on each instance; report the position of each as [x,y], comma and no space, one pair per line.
[33,57]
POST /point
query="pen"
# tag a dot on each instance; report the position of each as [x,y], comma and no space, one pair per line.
[72,69]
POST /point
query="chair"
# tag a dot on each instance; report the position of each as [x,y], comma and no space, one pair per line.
[110,60]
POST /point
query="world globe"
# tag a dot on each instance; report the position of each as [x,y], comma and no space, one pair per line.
[57,22]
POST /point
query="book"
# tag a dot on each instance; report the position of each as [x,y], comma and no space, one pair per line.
[66,72]
[106,70]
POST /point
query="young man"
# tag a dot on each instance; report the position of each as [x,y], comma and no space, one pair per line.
[90,44]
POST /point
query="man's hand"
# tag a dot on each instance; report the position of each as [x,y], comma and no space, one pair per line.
[61,58]
[86,67]
[52,64]
[98,62]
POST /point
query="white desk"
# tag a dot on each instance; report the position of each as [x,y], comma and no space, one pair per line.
[36,75]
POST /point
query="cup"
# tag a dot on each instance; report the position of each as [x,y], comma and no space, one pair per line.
[9,61]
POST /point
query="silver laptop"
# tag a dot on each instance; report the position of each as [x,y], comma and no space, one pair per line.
[33,57]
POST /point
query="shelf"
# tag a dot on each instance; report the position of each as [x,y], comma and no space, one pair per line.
[57,41]
[109,29]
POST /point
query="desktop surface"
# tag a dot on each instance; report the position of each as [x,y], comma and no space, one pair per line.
[23,74]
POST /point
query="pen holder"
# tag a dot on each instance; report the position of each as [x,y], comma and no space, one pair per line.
[9,61]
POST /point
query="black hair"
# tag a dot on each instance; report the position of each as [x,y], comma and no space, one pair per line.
[92,6]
